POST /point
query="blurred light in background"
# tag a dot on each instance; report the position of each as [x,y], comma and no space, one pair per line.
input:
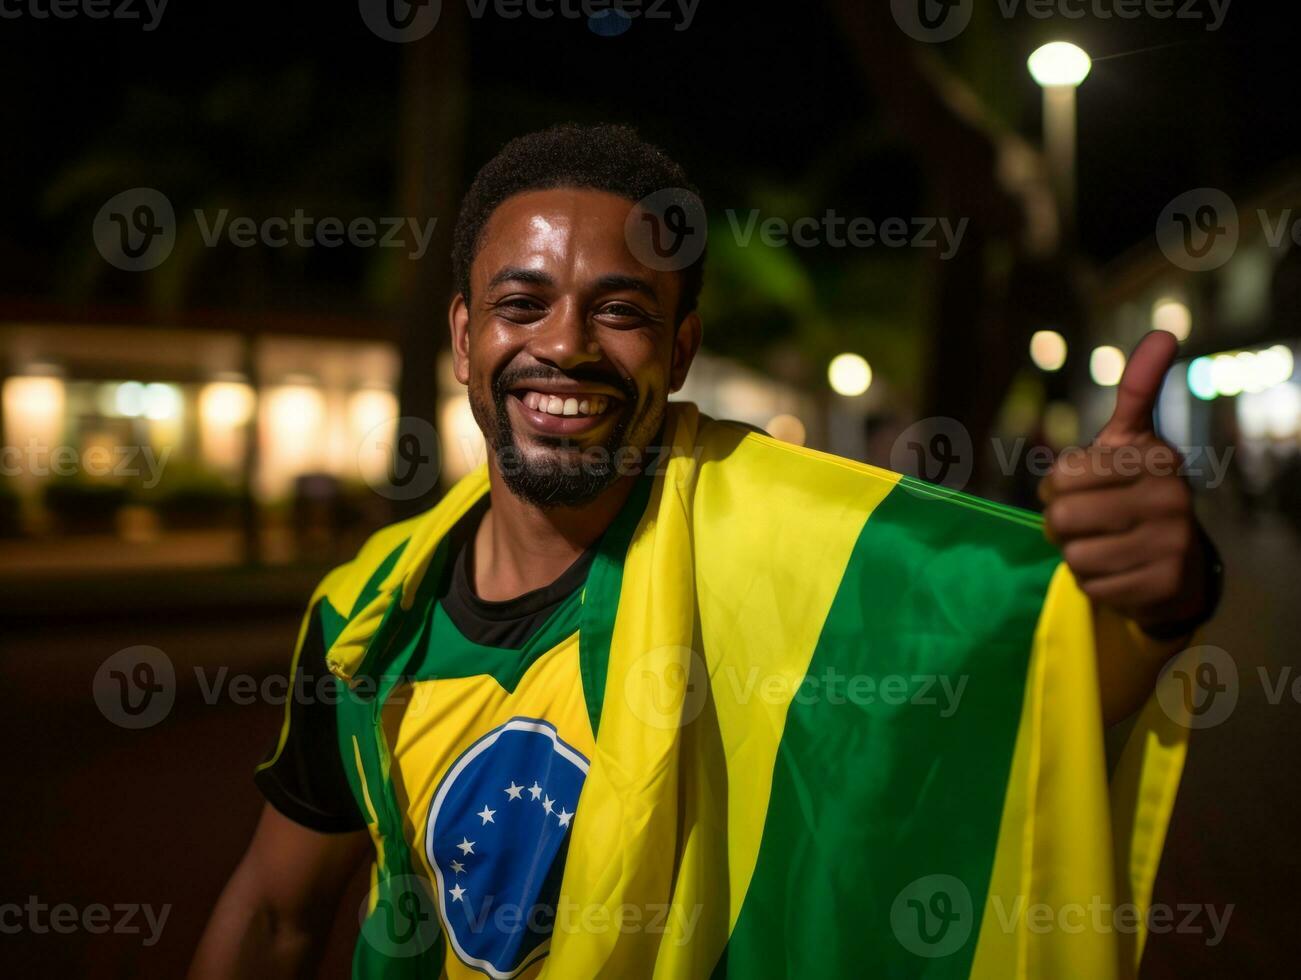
[1200,382]
[372,427]
[291,436]
[225,407]
[463,446]
[129,399]
[1106,365]
[161,401]
[850,375]
[1270,414]
[226,404]
[1235,372]
[33,410]
[787,428]
[1048,350]
[1059,63]
[1173,317]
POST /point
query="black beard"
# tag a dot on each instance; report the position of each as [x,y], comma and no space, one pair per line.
[573,476]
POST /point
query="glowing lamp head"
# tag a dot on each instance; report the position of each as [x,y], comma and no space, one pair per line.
[1059,64]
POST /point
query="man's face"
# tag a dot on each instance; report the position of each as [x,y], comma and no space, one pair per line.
[568,344]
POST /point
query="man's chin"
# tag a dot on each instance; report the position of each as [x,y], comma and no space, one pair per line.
[557,477]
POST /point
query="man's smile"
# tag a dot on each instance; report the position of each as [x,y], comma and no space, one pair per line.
[563,409]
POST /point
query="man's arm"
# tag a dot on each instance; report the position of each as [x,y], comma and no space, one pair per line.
[275,912]
[1124,518]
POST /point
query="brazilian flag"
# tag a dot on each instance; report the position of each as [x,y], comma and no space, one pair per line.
[845,724]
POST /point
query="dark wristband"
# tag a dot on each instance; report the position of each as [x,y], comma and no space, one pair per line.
[1214,586]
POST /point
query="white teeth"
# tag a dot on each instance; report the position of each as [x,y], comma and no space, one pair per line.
[539,401]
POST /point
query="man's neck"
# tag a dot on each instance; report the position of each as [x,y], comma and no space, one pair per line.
[520,547]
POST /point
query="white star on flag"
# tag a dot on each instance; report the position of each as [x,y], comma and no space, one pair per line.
[535,790]
[466,846]
[513,791]
[456,892]
[486,815]
[458,867]
[564,816]
[547,803]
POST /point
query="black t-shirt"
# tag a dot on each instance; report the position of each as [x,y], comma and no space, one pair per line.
[304,779]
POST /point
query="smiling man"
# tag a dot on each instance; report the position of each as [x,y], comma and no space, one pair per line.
[656,694]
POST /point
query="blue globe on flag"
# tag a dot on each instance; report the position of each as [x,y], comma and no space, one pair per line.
[497,835]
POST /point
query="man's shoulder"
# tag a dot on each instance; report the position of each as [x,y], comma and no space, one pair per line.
[344,584]
[745,447]
[383,550]
[748,455]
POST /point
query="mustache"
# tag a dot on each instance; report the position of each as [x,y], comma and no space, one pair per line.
[510,377]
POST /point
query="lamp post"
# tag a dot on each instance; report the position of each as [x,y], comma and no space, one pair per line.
[1059,68]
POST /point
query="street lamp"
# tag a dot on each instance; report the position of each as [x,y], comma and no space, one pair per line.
[850,375]
[1059,68]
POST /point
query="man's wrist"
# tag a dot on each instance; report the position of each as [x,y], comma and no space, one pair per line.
[1211,587]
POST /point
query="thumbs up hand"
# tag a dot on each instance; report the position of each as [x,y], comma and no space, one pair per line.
[1123,515]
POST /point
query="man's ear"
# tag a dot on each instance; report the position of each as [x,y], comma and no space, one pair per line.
[686,341]
[458,322]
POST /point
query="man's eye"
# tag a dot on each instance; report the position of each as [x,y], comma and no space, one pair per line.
[623,310]
[518,307]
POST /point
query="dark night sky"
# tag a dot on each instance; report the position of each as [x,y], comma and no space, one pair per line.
[747,93]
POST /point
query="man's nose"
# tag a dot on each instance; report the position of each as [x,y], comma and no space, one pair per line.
[565,338]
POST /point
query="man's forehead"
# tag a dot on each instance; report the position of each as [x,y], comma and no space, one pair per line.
[558,225]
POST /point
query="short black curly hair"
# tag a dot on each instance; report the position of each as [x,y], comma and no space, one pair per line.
[609,158]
